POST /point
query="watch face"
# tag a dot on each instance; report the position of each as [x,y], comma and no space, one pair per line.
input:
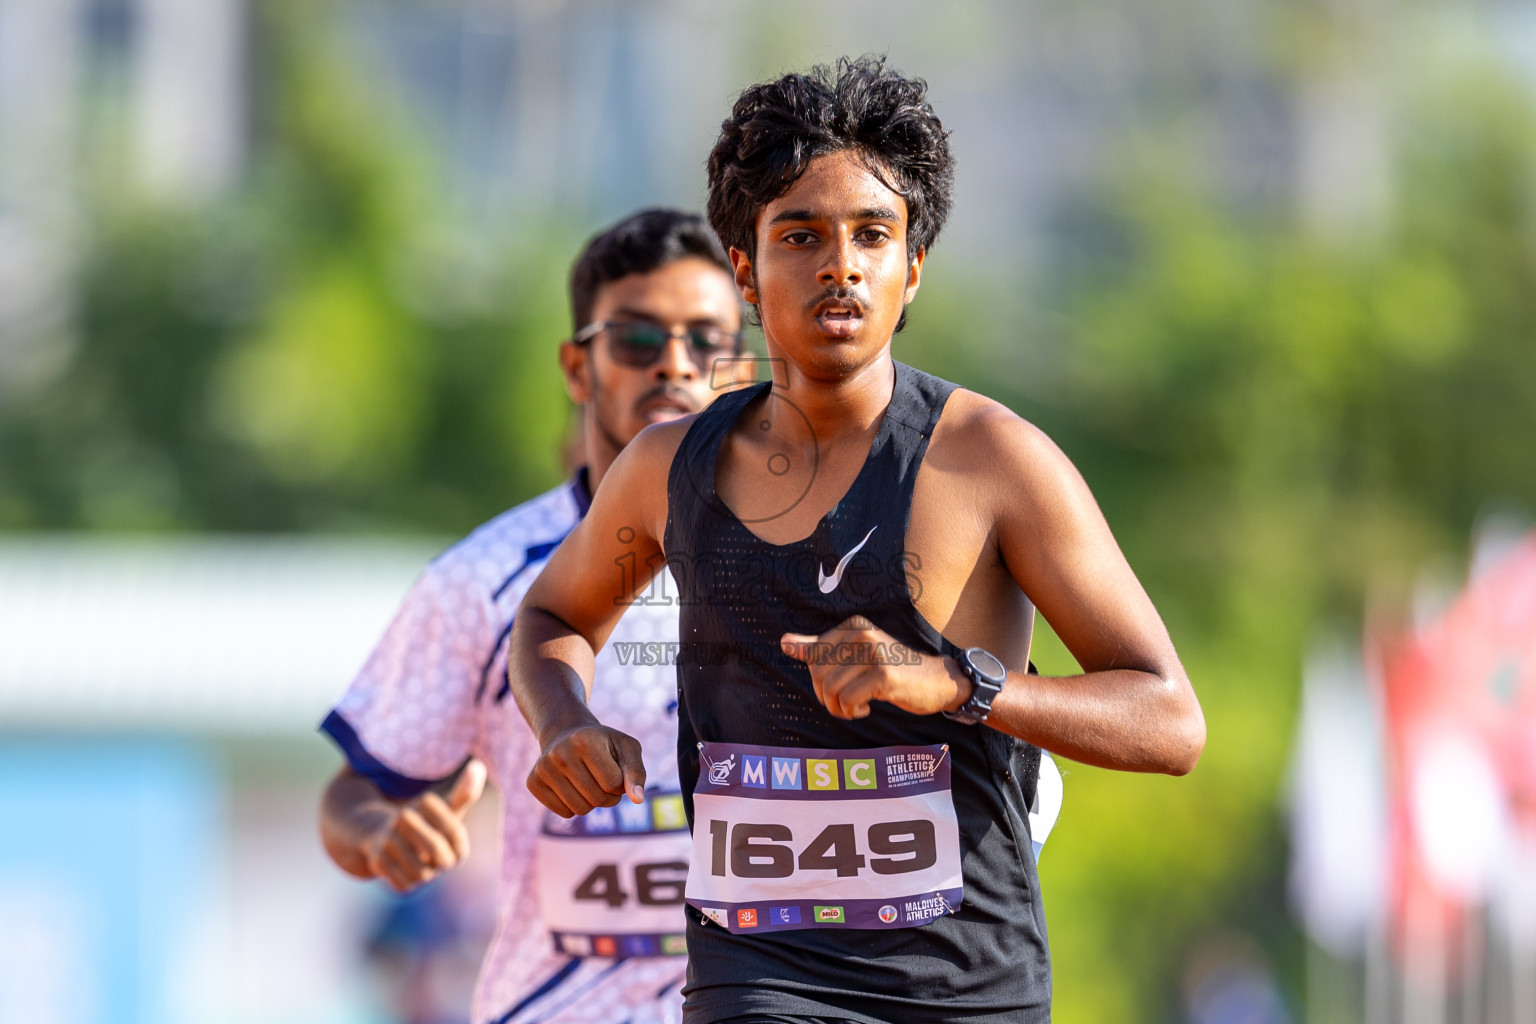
[986,664]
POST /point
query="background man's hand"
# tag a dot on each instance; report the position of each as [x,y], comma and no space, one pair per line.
[854,663]
[587,766]
[425,836]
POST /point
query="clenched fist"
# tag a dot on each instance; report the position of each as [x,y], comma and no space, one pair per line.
[425,836]
[587,766]
[855,663]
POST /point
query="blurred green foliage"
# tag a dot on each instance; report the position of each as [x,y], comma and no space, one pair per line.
[1273,422]
[318,351]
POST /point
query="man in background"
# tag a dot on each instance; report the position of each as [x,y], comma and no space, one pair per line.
[590,925]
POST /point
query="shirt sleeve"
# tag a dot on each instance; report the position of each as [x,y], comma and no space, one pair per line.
[411,717]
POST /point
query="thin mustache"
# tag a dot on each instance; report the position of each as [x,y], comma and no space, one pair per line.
[847,295]
[677,395]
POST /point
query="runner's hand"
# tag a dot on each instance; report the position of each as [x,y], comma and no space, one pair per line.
[588,766]
[425,836]
[854,663]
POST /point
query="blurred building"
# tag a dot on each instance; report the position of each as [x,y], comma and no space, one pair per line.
[167,76]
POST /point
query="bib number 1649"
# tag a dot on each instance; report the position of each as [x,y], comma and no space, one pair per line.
[766,850]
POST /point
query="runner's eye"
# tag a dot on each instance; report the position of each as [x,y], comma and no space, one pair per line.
[711,338]
[638,343]
[639,335]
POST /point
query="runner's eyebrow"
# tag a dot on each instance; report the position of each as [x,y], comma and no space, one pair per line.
[884,213]
[794,215]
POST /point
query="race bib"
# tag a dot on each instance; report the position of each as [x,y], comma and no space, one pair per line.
[789,837]
[611,882]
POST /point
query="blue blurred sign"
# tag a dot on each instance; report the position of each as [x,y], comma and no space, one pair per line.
[108,868]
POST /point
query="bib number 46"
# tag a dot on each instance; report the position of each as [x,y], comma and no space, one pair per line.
[656,885]
[764,850]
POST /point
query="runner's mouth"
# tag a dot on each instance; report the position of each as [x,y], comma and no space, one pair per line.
[665,408]
[839,318]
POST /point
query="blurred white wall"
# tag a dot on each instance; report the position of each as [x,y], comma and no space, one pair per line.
[202,635]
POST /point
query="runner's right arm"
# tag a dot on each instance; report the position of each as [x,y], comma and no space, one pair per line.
[600,568]
[405,842]
[407,726]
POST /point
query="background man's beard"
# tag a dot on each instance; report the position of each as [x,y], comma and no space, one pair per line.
[600,424]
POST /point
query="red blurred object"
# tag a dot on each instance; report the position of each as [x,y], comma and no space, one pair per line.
[1460,703]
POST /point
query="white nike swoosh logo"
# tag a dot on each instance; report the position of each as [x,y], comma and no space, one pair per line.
[826,584]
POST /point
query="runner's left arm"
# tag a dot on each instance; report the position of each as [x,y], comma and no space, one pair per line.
[1132,708]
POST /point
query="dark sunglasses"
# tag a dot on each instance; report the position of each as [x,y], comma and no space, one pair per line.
[639,343]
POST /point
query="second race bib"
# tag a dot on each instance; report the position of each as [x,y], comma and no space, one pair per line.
[611,881]
[790,837]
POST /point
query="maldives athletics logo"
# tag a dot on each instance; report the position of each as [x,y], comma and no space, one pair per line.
[887,914]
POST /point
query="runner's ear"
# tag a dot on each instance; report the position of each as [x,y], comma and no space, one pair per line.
[574,366]
[746,281]
[914,275]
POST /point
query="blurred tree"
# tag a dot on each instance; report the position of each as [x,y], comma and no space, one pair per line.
[320,350]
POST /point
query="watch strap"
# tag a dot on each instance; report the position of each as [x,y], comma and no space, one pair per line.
[983,690]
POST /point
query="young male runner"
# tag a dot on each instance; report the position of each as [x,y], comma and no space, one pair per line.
[859,550]
[590,923]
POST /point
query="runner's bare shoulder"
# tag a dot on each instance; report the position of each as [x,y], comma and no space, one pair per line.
[657,444]
[1026,494]
[637,480]
[998,451]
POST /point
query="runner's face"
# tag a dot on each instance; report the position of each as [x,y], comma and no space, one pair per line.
[624,400]
[831,274]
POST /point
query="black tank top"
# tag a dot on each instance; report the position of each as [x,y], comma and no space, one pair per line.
[738,595]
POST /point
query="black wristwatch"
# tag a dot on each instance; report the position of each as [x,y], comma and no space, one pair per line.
[987,676]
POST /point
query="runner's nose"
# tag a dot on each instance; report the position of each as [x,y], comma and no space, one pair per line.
[840,268]
[675,362]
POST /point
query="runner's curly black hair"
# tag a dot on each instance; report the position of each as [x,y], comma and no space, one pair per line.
[777,128]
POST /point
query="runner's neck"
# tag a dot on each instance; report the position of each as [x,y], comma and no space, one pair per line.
[833,412]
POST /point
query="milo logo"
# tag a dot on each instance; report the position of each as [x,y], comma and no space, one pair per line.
[829,915]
